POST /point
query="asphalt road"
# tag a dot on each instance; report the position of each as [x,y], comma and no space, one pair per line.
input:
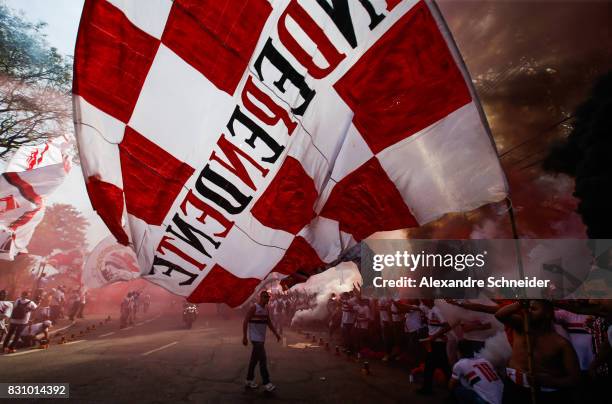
[157,360]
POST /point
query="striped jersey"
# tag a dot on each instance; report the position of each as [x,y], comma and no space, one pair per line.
[348,310]
[258,324]
[363,316]
[478,375]
[384,306]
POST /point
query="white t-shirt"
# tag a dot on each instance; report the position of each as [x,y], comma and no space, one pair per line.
[435,319]
[348,310]
[258,324]
[480,376]
[413,321]
[31,306]
[363,316]
[34,329]
[579,335]
[57,297]
[6,308]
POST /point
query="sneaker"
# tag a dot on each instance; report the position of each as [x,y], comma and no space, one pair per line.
[251,384]
[270,387]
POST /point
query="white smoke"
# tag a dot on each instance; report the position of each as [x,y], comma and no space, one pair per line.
[335,280]
[497,350]
[486,230]
[455,315]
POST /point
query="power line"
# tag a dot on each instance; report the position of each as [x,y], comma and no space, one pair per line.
[531,165]
[527,157]
[534,137]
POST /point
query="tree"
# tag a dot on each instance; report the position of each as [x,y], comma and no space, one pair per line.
[585,156]
[15,276]
[63,227]
[34,85]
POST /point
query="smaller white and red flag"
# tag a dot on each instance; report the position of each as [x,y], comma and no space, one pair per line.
[109,262]
[41,155]
[22,193]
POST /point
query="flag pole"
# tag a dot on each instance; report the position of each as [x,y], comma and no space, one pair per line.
[41,267]
[521,270]
[433,6]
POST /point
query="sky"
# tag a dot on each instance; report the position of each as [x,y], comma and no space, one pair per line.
[62,17]
[532,63]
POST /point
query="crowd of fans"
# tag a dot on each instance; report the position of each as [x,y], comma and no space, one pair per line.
[559,350]
[569,358]
[132,304]
[27,320]
[283,306]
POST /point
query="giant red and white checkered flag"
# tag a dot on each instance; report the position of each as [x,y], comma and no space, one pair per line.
[225,140]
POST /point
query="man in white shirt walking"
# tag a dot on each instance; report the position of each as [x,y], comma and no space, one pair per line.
[257,322]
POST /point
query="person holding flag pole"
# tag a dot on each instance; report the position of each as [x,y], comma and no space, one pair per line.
[526,319]
[531,321]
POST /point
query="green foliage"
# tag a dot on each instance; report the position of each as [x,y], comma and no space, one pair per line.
[34,85]
[15,275]
[26,56]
